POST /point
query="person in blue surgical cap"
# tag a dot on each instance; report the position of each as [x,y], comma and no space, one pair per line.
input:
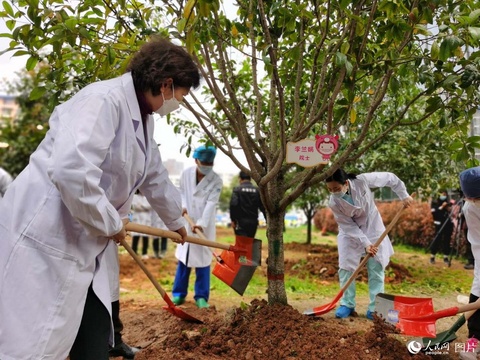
[470,184]
[200,188]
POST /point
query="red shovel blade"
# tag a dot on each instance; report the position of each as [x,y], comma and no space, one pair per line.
[323,309]
[235,273]
[393,307]
[171,308]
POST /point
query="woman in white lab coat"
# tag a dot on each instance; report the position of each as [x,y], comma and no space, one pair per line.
[200,187]
[62,212]
[359,227]
[470,184]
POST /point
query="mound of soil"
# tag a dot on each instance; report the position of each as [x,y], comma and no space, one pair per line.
[258,331]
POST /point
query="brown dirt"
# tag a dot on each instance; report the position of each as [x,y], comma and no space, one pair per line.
[253,330]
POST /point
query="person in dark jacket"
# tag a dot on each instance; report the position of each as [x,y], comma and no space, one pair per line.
[441,212]
[244,206]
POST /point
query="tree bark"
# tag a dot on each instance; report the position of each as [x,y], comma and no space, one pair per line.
[275,260]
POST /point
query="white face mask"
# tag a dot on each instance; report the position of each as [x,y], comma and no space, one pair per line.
[339,194]
[204,169]
[168,105]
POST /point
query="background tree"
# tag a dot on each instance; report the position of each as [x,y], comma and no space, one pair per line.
[24,133]
[280,71]
[308,202]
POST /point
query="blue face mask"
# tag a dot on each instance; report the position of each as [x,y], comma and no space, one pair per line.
[204,169]
[443,197]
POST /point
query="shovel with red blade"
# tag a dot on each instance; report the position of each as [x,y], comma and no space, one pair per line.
[171,306]
[233,273]
[240,252]
[235,265]
[415,316]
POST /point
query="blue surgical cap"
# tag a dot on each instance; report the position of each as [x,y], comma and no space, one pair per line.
[470,182]
[205,154]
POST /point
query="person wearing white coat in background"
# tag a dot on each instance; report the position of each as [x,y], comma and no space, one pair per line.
[61,213]
[159,249]
[359,227]
[200,187]
[470,184]
[141,214]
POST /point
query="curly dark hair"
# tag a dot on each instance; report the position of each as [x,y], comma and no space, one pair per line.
[160,59]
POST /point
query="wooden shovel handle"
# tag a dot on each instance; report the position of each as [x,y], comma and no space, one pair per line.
[192,224]
[140,263]
[202,235]
[144,229]
[469,313]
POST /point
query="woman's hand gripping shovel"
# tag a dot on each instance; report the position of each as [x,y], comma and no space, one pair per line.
[234,273]
[171,306]
[320,310]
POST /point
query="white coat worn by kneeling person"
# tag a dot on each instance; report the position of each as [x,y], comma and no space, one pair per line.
[61,213]
[359,227]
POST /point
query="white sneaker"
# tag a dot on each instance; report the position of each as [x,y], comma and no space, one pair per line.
[145,257]
[472,350]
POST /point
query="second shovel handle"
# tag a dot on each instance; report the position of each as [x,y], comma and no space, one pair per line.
[192,224]
[140,263]
[144,229]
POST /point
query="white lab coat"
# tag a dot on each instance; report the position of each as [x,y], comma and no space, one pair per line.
[141,211]
[156,221]
[360,224]
[58,215]
[472,219]
[201,201]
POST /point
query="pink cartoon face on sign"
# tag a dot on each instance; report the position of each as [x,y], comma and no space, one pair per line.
[326,145]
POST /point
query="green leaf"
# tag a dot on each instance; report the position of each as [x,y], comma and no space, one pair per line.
[71,24]
[340,59]
[111,55]
[435,50]
[10,24]
[31,63]
[474,32]
[8,9]
[37,93]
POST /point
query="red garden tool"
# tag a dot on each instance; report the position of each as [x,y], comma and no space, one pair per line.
[171,306]
[235,274]
[449,335]
[415,316]
[241,253]
[320,310]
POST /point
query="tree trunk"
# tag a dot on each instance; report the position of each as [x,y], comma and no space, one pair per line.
[309,227]
[275,260]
